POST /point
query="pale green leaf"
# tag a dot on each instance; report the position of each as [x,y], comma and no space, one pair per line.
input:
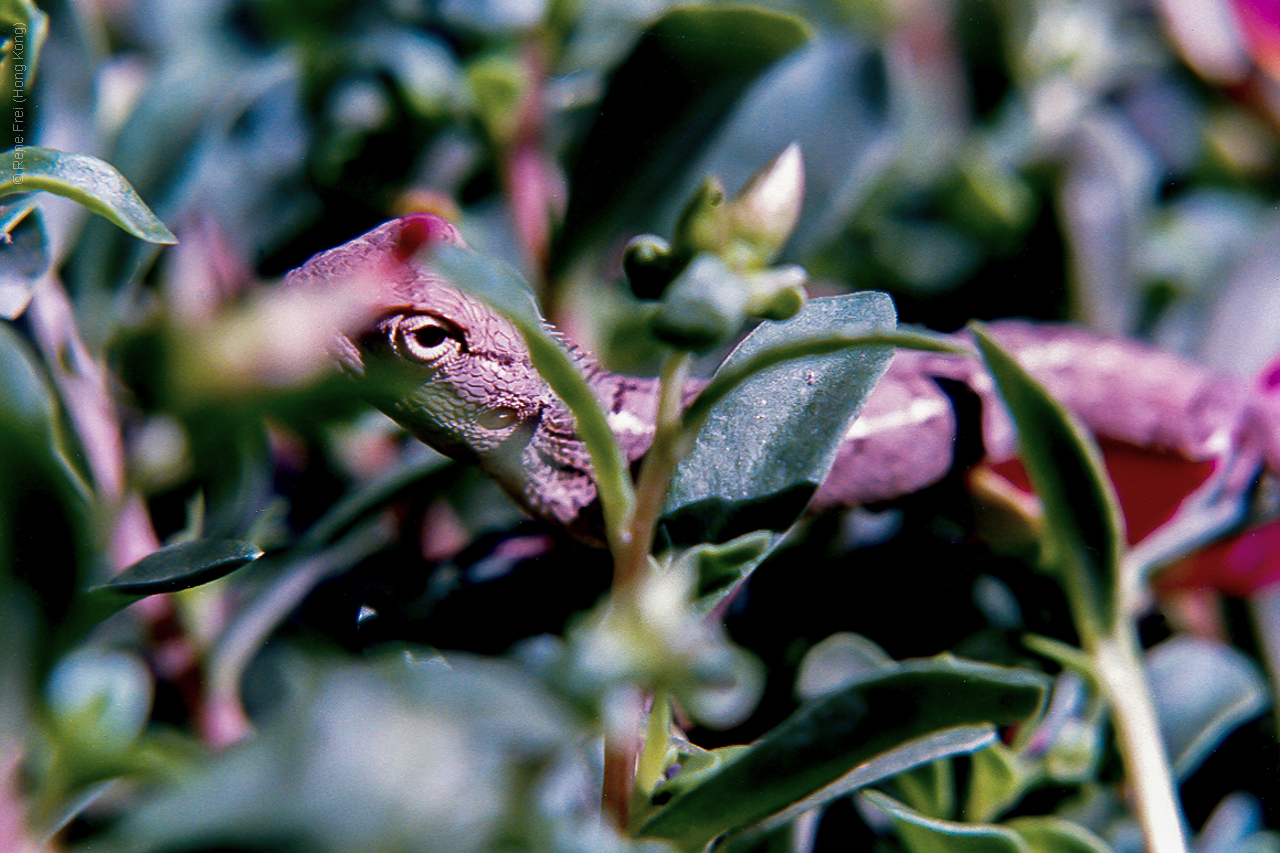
[85,180]
[1084,531]
[923,834]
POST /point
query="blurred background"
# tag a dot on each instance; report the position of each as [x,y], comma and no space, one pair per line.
[1109,162]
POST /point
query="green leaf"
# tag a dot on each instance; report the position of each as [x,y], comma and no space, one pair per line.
[662,106]
[1202,691]
[500,286]
[1233,827]
[836,661]
[24,255]
[85,180]
[929,788]
[182,566]
[829,737]
[1054,835]
[771,430]
[30,406]
[25,14]
[1084,532]
[26,398]
[12,214]
[997,780]
[99,701]
[48,540]
[704,307]
[389,754]
[498,85]
[1266,841]
[1066,656]
[721,568]
[923,834]
[961,740]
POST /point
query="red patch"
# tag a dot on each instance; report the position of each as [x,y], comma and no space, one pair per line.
[1239,566]
[415,231]
[1151,484]
[422,229]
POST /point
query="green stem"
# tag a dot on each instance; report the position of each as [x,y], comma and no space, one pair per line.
[631,563]
[1118,660]
[656,470]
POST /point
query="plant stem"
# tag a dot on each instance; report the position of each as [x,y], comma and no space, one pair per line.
[621,749]
[631,563]
[1119,666]
[655,472]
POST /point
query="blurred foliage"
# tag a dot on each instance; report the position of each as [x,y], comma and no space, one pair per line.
[362,646]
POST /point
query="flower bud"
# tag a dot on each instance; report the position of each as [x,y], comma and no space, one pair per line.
[766,211]
[704,307]
[648,265]
[704,223]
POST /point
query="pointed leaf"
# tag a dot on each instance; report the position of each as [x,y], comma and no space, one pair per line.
[1054,835]
[767,444]
[962,740]
[997,779]
[359,503]
[721,568]
[182,566]
[12,214]
[829,737]
[923,834]
[85,180]
[398,753]
[929,789]
[1084,533]
[48,541]
[1233,826]
[704,307]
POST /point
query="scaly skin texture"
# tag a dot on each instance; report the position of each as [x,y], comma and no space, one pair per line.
[458,376]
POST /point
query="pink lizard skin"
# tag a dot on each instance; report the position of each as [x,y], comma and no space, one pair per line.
[457,375]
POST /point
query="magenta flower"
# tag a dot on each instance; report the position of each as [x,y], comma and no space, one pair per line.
[1260,25]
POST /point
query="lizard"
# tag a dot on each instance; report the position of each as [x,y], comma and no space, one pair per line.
[457,375]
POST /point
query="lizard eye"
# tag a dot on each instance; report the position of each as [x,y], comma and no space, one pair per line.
[424,338]
[496,419]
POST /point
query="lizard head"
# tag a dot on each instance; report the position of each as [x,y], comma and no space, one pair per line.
[442,364]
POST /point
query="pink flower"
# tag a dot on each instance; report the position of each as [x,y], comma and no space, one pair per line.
[1165,428]
[1260,25]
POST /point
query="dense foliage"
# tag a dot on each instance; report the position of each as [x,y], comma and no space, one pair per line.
[241,611]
